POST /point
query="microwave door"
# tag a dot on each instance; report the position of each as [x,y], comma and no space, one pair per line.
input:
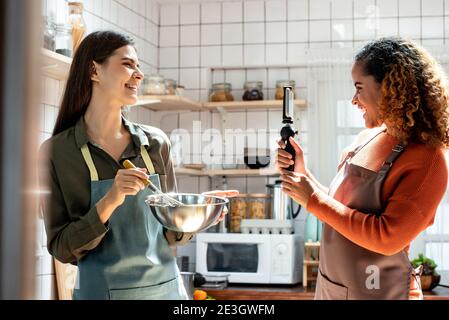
[245,259]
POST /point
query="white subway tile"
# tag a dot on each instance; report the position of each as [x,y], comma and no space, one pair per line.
[257,75]
[254,11]
[275,10]
[409,8]
[49,118]
[388,27]
[186,120]
[446,7]
[257,184]
[148,10]
[276,75]
[169,36]
[217,76]
[210,56]
[257,120]
[236,120]
[155,12]
[210,34]
[296,53]
[363,8]
[170,73]
[254,54]
[169,14]
[342,9]
[232,55]
[38,289]
[48,289]
[232,12]
[254,32]
[237,184]
[236,78]
[342,30]
[169,122]
[188,184]
[232,33]
[364,30]
[190,78]
[320,45]
[276,53]
[446,27]
[299,75]
[298,31]
[211,12]
[387,8]
[98,7]
[47,263]
[190,13]
[432,7]
[154,33]
[297,9]
[320,9]
[276,32]
[141,26]
[432,27]
[319,31]
[140,6]
[433,42]
[190,57]
[190,35]
[168,57]
[410,27]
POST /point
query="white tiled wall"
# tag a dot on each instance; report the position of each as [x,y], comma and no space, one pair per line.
[182,40]
[140,19]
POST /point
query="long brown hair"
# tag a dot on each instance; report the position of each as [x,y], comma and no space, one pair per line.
[97,46]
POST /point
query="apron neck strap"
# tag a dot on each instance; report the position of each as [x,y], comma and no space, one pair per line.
[146,158]
[356,150]
[395,152]
[93,171]
[90,163]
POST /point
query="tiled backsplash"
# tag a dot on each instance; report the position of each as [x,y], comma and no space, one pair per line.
[183,41]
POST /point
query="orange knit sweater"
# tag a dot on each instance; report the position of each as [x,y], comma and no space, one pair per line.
[412,191]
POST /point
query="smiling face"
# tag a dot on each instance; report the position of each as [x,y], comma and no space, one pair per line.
[367,95]
[119,77]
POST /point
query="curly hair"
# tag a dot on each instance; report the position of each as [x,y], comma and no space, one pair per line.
[415,93]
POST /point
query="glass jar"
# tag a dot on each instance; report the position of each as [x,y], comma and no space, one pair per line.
[49,33]
[237,212]
[253,91]
[258,206]
[63,39]
[170,86]
[279,95]
[77,23]
[221,92]
[154,85]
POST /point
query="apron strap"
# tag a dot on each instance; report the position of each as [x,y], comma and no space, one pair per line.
[90,163]
[146,158]
[93,171]
[395,152]
[356,150]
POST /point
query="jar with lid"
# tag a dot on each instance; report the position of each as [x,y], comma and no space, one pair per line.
[237,212]
[170,86]
[49,33]
[154,85]
[253,91]
[258,206]
[221,92]
[76,22]
[63,39]
[280,84]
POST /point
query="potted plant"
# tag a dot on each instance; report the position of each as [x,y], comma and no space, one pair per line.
[429,276]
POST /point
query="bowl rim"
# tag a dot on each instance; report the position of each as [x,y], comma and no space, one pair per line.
[224,199]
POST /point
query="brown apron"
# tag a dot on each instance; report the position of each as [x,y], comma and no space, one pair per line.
[346,270]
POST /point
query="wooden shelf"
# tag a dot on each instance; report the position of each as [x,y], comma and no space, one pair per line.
[172,103]
[168,103]
[55,65]
[227,172]
[249,105]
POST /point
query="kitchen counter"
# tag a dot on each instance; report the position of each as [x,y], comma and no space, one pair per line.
[288,292]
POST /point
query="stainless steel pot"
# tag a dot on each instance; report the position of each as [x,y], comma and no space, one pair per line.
[281,203]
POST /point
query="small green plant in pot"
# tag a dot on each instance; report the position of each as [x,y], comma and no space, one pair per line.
[429,276]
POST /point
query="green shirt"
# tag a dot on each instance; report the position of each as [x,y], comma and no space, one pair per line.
[73,227]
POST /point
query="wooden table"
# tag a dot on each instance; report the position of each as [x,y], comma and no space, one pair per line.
[288,292]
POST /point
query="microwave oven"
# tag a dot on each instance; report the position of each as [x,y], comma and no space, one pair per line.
[251,258]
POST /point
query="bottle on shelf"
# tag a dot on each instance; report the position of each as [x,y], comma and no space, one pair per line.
[76,22]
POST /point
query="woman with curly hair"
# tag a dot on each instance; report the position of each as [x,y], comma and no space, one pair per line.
[389,182]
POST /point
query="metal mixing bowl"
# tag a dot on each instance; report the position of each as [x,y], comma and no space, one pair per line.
[198,213]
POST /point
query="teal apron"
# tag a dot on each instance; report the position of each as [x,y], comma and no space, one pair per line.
[133,260]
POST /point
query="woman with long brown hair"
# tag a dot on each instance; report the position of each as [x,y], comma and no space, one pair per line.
[94,212]
[389,182]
